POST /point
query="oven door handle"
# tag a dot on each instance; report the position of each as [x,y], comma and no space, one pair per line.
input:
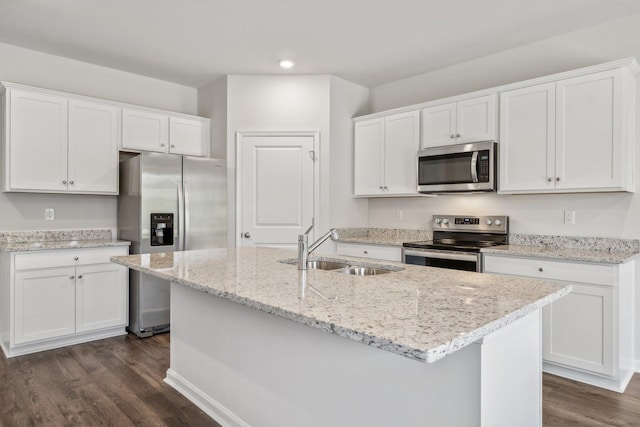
[456,256]
[474,166]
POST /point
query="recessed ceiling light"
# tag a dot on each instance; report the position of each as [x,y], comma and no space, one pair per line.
[285,63]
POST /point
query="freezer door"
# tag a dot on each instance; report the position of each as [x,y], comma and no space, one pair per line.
[160,188]
[205,201]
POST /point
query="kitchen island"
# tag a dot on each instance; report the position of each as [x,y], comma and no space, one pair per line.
[257,342]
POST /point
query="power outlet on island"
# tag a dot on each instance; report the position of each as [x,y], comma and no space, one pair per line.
[49,214]
[569,217]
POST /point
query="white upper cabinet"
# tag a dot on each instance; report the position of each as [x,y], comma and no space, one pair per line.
[573,135]
[189,136]
[93,147]
[60,145]
[385,155]
[469,120]
[35,142]
[145,130]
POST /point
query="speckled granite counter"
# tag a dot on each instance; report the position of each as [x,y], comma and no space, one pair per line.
[382,236]
[19,241]
[569,248]
[420,312]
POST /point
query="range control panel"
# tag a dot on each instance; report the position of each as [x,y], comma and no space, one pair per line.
[480,224]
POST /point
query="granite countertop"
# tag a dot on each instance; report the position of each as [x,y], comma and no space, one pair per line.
[419,312]
[563,254]
[42,240]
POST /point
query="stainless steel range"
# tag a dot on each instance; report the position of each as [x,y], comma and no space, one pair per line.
[457,241]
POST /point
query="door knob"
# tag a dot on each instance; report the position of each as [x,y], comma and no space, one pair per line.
[247,235]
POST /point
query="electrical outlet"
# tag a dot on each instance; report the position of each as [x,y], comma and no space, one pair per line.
[398,214]
[569,217]
[49,214]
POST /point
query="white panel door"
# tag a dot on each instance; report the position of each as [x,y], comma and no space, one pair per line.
[401,143]
[277,189]
[527,139]
[476,119]
[589,126]
[145,130]
[188,136]
[38,141]
[439,125]
[101,297]
[369,158]
[578,329]
[93,147]
[44,304]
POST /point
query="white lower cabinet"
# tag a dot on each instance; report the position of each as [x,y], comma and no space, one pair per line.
[587,335]
[61,297]
[383,252]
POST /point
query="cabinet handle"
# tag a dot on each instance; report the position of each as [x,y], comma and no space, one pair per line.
[80,276]
[64,182]
[75,258]
[72,277]
[558,178]
[540,269]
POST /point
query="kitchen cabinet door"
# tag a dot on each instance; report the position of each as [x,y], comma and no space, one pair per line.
[527,139]
[101,297]
[401,143]
[369,157]
[476,119]
[589,132]
[439,125]
[93,147]
[189,136]
[578,329]
[37,146]
[44,304]
[145,130]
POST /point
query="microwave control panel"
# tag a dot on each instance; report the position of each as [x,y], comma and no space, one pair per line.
[483,166]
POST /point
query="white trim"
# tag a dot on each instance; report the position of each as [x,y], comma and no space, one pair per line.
[630,63]
[617,384]
[316,173]
[216,410]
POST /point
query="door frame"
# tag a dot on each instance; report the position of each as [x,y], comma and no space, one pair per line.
[239,173]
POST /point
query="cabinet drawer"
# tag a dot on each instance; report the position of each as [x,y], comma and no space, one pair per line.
[387,253]
[66,257]
[599,274]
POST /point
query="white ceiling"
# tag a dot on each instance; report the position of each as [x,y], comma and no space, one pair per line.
[370,42]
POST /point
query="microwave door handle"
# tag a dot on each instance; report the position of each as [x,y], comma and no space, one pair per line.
[474,167]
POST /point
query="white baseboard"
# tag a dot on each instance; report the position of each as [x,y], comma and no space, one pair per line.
[618,383]
[220,413]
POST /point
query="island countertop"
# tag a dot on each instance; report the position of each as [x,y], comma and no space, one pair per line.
[422,313]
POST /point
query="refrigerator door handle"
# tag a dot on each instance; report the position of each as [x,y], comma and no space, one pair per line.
[187,215]
[180,217]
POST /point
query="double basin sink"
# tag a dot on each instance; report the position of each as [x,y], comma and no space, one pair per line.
[346,267]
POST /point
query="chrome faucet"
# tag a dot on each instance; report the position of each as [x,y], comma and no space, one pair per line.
[304,249]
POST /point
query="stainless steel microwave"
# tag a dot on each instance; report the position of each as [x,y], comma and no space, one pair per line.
[458,168]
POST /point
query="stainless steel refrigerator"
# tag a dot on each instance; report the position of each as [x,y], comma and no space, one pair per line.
[167,203]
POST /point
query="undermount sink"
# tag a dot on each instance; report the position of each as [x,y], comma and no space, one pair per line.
[364,271]
[326,265]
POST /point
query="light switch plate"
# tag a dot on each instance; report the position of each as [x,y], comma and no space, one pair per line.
[49,214]
[569,217]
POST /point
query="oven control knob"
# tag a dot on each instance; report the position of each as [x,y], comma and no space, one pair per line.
[497,222]
[445,221]
[438,221]
[489,222]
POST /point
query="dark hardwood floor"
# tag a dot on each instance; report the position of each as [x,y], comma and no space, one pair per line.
[112,382]
[118,382]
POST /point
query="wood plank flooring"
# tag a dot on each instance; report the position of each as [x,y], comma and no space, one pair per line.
[112,382]
[118,382]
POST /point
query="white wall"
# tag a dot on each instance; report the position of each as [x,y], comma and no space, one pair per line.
[606,215]
[26,211]
[212,103]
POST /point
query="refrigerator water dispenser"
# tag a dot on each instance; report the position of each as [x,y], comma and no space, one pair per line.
[161,229]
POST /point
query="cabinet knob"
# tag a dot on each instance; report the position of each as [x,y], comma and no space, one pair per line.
[80,276]
[558,178]
[173,146]
[386,188]
[381,187]
[452,136]
[458,135]
[540,269]
[366,252]
[161,145]
[71,182]
[72,277]
[247,235]
[75,258]
[549,179]
[64,182]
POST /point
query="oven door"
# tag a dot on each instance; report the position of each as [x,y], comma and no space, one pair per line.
[455,260]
